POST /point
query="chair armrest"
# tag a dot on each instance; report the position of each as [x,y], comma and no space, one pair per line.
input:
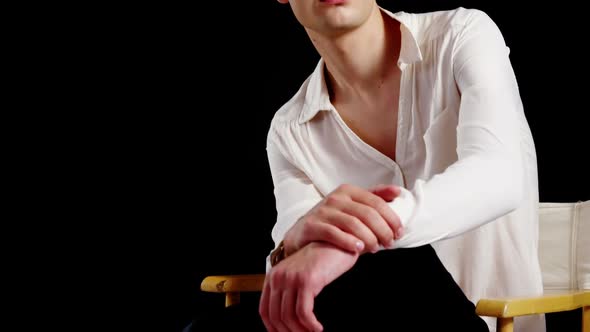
[233,283]
[512,307]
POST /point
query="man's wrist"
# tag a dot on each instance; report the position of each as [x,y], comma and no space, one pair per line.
[278,254]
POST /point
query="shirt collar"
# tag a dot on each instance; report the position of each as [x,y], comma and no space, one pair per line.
[317,97]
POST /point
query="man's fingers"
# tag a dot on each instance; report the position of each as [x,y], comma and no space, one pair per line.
[288,315]
[263,307]
[389,193]
[352,225]
[304,310]
[339,238]
[276,299]
[379,204]
[392,220]
[374,219]
[386,191]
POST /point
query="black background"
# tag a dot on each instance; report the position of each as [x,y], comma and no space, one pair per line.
[199,85]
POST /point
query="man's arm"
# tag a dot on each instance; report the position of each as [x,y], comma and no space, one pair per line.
[320,235]
[351,218]
[487,181]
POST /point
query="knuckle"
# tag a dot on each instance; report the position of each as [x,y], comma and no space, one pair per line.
[321,212]
[301,279]
[309,232]
[288,280]
[276,278]
[345,187]
[349,222]
[310,223]
[332,200]
[369,214]
[307,220]
[375,201]
[329,234]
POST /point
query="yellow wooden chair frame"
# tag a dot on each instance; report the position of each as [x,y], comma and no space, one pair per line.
[503,309]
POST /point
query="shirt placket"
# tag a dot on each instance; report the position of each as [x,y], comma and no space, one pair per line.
[402,122]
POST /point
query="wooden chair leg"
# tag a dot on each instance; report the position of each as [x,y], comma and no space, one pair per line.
[232,298]
[505,324]
[586,319]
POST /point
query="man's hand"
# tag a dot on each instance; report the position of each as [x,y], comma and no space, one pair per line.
[291,286]
[351,218]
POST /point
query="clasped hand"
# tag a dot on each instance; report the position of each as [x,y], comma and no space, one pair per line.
[320,247]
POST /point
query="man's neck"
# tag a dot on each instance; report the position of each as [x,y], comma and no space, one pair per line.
[361,61]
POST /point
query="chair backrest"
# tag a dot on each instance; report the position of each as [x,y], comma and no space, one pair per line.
[564,245]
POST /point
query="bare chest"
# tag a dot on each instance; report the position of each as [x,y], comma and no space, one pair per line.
[376,127]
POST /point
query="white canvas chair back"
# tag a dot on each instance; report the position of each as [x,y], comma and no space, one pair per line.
[564,245]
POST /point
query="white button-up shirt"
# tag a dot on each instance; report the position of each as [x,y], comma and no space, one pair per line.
[464,156]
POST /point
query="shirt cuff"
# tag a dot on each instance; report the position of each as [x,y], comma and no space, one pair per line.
[404,206]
